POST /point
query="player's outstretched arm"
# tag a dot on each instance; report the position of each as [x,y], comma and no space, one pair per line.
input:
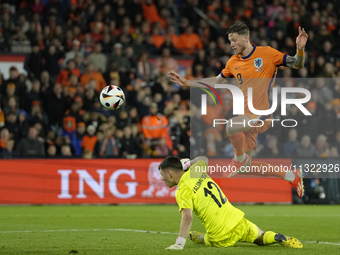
[298,61]
[184,230]
[181,81]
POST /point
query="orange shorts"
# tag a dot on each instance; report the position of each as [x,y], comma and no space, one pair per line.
[260,124]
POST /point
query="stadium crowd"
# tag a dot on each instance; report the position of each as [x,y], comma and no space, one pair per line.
[74,48]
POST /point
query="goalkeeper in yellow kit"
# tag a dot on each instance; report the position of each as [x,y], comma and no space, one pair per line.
[225,225]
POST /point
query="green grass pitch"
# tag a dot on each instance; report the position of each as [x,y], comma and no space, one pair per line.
[111,229]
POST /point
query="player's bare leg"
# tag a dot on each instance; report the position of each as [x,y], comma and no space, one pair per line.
[295,177]
[235,129]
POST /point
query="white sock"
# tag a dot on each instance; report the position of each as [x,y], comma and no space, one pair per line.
[289,176]
[240,158]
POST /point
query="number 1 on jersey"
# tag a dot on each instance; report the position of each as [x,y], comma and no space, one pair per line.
[239,79]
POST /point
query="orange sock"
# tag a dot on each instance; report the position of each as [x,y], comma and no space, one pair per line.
[237,141]
[270,170]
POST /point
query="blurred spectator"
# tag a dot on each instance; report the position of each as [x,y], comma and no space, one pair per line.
[6,144]
[328,118]
[33,95]
[2,118]
[310,121]
[69,127]
[165,63]
[155,126]
[336,141]
[98,59]
[123,120]
[95,119]
[75,110]
[90,95]
[110,146]
[305,148]
[315,192]
[117,56]
[12,106]
[51,57]
[322,150]
[74,52]
[66,150]
[4,138]
[30,145]
[324,92]
[87,154]
[55,107]
[46,83]
[92,74]
[333,152]
[51,151]
[34,63]
[65,74]
[10,93]
[130,147]
[214,145]
[112,73]
[77,138]
[3,43]
[37,115]
[106,44]
[19,43]
[271,149]
[144,67]
[213,112]
[150,13]
[328,71]
[161,149]
[100,137]
[292,143]
[90,139]
[8,151]
[12,126]
[98,108]
[189,41]
[19,87]
[50,139]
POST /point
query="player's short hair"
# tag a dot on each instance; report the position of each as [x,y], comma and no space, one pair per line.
[171,162]
[239,28]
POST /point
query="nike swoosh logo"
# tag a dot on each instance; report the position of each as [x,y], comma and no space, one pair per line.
[237,68]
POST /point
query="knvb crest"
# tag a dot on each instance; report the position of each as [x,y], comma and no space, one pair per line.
[258,62]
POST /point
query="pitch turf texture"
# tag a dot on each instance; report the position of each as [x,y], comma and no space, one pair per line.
[113,229]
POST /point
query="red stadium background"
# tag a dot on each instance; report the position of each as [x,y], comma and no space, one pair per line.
[117,181]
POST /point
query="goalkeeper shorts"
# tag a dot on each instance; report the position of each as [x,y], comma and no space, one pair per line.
[244,231]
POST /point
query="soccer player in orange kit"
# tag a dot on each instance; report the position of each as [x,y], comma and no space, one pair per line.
[255,67]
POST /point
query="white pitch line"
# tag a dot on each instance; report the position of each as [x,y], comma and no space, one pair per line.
[317,242]
[79,230]
[124,230]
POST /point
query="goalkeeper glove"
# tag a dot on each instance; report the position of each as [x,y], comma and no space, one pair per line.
[185,163]
[179,245]
[175,247]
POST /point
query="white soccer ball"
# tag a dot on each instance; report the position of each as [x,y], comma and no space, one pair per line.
[112,97]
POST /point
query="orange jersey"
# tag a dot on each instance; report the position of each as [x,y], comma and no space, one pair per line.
[258,71]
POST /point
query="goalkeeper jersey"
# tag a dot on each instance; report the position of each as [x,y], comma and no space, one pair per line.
[205,198]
